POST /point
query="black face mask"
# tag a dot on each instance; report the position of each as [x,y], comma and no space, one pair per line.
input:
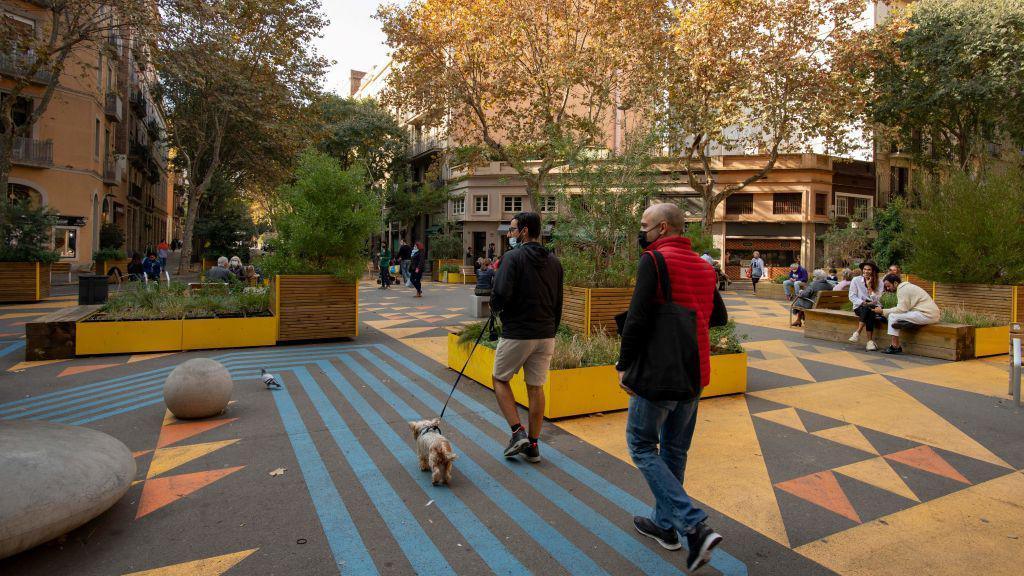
[642,240]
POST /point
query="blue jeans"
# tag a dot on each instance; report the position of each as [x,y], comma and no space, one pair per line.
[669,424]
[791,287]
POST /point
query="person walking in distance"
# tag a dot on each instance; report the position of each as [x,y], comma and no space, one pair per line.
[404,255]
[664,364]
[527,295]
[756,269]
[417,262]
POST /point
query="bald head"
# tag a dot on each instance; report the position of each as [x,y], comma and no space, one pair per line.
[666,213]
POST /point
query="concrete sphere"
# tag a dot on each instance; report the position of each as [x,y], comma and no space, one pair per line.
[54,478]
[198,388]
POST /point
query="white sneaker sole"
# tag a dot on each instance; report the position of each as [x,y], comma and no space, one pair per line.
[663,544]
[705,552]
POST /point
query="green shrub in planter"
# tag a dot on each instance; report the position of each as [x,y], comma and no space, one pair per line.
[25,232]
[780,278]
[109,254]
[450,268]
[322,220]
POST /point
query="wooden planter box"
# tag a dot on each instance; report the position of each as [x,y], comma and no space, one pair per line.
[589,310]
[992,341]
[457,278]
[771,290]
[435,270]
[1004,303]
[315,307]
[580,391]
[142,336]
[105,266]
[24,281]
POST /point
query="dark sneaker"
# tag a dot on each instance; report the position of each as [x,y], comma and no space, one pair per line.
[518,442]
[531,453]
[893,350]
[668,539]
[700,543]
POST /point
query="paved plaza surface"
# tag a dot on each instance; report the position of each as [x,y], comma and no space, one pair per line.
[836,461]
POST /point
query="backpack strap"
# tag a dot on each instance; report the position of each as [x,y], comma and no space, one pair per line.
[663,279]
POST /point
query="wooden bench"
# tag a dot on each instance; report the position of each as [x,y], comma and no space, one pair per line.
[831,300]
[944,341]
[52,337]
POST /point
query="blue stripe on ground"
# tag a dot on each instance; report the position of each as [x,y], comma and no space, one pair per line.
[478,536]
[348,548]
[158,400]
[625,543]
[105,406]
[721,561]
[66,407]
[12,347]
[424,557]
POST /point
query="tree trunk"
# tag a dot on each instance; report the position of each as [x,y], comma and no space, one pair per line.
[533,191]
[186,241]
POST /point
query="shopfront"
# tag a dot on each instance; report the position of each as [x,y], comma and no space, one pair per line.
[66,236]
[777,254]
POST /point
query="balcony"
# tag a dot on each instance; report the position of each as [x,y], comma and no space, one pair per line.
[31,152]
[426,145]
[114,45]
[18,64]
[135,192]
[113,107]
[138,104]
[110,175]
[152,171]
[138,154]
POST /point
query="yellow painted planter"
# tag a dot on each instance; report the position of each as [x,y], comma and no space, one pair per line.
[129,337]
[141,336]
[204,333]
[580,391]
[991,341]
[457,278]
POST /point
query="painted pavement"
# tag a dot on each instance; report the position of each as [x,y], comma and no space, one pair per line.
[836,461]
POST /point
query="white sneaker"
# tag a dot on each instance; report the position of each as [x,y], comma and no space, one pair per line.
[871,346]
[855,337]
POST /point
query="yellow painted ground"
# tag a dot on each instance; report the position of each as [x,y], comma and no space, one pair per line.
[976,531]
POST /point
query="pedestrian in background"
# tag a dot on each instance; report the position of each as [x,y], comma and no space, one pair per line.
[664,364]
[162,250]
[417,264]
[757,270]
[404,254]
[385,265]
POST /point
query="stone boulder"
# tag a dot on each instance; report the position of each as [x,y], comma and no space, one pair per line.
[198,388]
[54,478]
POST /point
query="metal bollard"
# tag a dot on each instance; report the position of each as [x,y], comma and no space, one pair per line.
[1016,334]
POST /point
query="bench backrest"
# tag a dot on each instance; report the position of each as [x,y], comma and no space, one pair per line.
[831,299]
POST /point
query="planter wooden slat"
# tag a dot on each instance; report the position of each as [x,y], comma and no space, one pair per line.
[24,281]
[315,307]
[593,309]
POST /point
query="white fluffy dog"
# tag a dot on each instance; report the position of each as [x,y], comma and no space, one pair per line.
[435,451]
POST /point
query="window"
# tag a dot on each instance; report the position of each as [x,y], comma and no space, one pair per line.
[96,140]
[65,241]
[786,203]
[481,204]
[459,206]
[821,204]
[21,111]
[853,206]
[513,203]
[739,204]
[548,204]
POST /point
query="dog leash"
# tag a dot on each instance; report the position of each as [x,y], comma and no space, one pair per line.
[489,325]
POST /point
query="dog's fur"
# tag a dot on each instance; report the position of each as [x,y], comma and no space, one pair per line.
[434,450]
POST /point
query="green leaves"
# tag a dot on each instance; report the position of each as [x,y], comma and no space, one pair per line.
[323,220]
[25,232]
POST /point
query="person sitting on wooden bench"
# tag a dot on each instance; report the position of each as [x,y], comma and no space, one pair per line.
[914,308]
[807,297]
[484,278]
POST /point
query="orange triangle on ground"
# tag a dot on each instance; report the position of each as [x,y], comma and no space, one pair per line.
[142,357]
[205,567]
[178,432]
[140,453]
[823,489]
[72,370]
[925,458]
[159,492]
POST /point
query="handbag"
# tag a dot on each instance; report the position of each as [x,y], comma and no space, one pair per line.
[668,367]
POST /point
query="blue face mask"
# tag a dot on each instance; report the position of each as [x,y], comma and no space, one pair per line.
[512,241]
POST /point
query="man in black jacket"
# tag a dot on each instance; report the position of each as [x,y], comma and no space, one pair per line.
[527,295]
[404,255]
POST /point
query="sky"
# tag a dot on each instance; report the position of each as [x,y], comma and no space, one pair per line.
[353,40]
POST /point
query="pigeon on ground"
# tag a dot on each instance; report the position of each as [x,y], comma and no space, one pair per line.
[269,379]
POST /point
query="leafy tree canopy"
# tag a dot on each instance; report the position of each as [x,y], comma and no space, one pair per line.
[25,232]
[360,131]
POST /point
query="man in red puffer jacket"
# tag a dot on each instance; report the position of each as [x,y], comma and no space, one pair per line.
[660,426]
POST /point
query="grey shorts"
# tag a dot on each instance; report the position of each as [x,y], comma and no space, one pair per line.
[533,356]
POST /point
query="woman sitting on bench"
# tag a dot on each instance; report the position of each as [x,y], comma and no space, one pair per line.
[806,298]
[484,278]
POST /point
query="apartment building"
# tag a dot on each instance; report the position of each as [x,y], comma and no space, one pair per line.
[97,154]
